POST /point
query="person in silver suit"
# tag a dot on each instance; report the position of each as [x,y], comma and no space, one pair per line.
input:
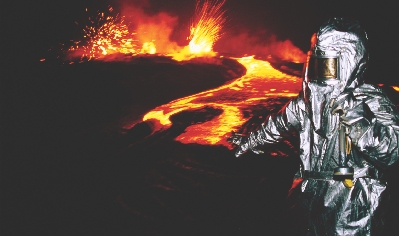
[348,132]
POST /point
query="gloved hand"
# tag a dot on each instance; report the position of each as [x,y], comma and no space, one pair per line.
[244,143]
[342,103]
[357,117]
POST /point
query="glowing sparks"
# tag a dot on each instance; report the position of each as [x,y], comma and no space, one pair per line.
[107,35]
[260,82]
[103,36]
[206,30]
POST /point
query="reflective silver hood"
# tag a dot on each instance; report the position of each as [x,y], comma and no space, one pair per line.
[347,39]
[346,42]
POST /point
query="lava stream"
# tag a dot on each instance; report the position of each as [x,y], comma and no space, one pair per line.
[260,82]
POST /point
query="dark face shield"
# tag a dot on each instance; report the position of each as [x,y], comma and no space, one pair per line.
[322,69]
[321,74]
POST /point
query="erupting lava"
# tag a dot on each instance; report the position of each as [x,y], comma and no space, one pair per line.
[209,21]
[260,82]
[103,36]
[204,31]
[110,35]
[106,35]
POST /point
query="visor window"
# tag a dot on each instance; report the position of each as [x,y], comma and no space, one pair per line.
[322,68]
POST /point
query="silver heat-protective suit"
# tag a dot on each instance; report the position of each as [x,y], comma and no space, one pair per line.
[334,94]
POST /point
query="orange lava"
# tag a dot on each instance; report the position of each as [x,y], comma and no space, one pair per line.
[104,35]
[112,37]
[149,47]
[205,30]
[209,21]
[107,35]
[260,82]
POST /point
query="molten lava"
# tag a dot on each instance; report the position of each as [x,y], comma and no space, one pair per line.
[260,82]
[149,47]
[107,35]
[205,30]
[103,36]
[209,20]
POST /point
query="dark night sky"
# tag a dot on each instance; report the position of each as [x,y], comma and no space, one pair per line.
[35,26]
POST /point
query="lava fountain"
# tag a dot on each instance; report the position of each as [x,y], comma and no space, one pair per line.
[205,30]
[107,35]
[261,81]
[104,35]
[209,20]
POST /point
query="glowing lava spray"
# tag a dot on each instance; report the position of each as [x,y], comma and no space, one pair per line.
[206,30]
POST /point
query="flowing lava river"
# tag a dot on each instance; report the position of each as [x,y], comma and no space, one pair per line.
[260,82]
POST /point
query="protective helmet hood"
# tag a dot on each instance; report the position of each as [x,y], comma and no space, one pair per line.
[322,67]
[335,64]
[338,54]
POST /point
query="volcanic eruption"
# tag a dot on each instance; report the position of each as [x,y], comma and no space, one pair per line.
[110,37]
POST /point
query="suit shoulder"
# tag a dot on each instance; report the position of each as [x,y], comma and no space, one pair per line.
[377,100]
[371,93]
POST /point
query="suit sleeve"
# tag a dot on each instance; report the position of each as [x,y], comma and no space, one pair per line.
[377,135]
[277,125]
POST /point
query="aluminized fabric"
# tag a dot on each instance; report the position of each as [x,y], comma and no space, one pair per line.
[373,122]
